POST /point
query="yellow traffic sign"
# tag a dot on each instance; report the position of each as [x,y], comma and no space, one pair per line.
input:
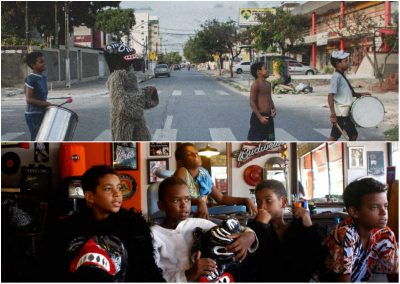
[153,55]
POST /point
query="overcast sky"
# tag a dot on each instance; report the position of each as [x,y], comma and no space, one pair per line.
[185,17]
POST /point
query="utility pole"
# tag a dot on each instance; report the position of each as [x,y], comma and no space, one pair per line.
[147,60]
[26,23]
[67,62]
[55,25]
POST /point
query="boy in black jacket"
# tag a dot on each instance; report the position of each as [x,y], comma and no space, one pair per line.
[287,252]
[102,243]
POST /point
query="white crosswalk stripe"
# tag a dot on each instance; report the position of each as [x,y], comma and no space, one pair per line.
[166,134]
[177,93]
[222,93]
[8,110]
[104,136]
[326,132]
[222,134]
[283,135]
[11,136]
[199,92]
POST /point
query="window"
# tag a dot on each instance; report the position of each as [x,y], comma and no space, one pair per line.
[321,171]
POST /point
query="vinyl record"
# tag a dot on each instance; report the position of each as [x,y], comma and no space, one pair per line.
[10,163]
[128,184]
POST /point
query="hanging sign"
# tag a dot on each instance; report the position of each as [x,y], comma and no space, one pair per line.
[250,151]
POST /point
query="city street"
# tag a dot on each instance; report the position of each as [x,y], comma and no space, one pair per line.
[193,107]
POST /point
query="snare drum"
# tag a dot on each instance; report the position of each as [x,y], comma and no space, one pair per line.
[367,111]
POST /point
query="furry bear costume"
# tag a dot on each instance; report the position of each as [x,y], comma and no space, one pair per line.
[128,101]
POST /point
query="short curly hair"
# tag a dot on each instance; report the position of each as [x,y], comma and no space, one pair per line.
[166,184]
[32,57]
[255,67]
[276,186]
[356,190]
[180,151]
[90,179]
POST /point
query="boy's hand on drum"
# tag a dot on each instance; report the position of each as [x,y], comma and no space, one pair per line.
[365,94]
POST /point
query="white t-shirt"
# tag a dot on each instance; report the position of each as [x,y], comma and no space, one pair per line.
[343,97]
[173,247]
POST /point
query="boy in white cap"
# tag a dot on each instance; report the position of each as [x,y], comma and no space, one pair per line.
[340,98]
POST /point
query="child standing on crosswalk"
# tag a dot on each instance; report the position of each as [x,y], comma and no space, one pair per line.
[35,92]
[262,118]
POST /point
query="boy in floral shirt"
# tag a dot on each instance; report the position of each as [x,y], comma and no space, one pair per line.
[363,244]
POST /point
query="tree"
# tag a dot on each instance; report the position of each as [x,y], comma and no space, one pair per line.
[41,16]
[280,29]
[220,38]
[194,52]
[170,58]
[361,28]
[116,22]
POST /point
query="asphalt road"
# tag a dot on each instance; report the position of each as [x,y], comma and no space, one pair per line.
[193,107]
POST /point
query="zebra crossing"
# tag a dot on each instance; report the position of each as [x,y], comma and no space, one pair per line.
[167,133]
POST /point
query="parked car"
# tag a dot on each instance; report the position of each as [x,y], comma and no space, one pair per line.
[297,68]
[242,66]
[162,70]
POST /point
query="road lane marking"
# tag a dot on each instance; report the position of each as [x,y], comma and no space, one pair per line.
[11,136]
[104,136]
[222,134]
[177,93]
[199,92]
[283,135]
[166,134]
[222,93]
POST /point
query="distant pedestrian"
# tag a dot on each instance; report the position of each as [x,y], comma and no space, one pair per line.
[264,111]
[340,98]
[35,92]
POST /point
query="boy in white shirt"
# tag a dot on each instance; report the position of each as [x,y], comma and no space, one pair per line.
[173,239]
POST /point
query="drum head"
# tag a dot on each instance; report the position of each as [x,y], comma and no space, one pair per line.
[367,111]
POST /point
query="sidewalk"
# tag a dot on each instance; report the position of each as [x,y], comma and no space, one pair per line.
[88,88]
[318,98]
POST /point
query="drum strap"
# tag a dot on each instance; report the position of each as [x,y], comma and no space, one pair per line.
[348,83]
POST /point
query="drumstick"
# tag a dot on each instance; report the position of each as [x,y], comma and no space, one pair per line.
[66,102]
[341,131]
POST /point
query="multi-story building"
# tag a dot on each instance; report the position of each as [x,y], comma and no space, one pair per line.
[139,34]
[154,35]
[326,18]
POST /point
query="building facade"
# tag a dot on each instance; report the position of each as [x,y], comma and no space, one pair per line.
[326,18]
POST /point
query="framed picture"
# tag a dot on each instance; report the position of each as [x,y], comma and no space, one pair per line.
[356,157]
[125,156]
[376,165]
[153,165]
[159,149]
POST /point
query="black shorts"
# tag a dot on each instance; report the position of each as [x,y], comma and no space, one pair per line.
[259,131]
[347,125]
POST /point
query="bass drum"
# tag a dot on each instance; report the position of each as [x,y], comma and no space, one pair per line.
[367,111]
[58,124]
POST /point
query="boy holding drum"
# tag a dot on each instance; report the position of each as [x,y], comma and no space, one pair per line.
[340,98]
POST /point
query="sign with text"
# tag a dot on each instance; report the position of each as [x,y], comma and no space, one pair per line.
[250,151]
[249,16]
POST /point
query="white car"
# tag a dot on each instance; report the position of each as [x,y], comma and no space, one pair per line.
[297,68]
[242,66]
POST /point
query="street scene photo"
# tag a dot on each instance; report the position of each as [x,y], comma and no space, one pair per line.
[192,71]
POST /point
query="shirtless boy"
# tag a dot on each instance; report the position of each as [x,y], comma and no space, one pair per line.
[262,118]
